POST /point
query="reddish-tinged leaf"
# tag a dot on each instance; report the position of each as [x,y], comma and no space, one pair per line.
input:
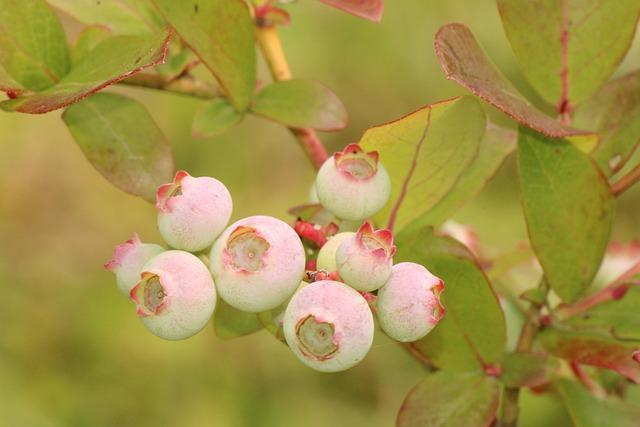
[464,62]
[593,348]
[613,112]
[425,153]
[528,369]
[111,61]
[367,9]
[447,399]
[568,48]
[496,144]
[120,139]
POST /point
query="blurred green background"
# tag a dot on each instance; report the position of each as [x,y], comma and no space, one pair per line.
[72,351]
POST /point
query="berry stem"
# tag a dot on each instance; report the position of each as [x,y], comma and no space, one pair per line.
[271,47]
[529,331]
[626,182]
[185,85]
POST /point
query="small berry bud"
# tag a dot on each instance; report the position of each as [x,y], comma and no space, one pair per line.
[128,260]
[409,303]
[327,255]
[364,260]
[175,296]
[328,326]
[258,262]
[192,211]
[353,184]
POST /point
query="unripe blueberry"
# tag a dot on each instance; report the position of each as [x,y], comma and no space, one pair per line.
[175,296]
[409,303]
[258,262]
[364,260]
[327,255]
[353,184]
[128,260]
[328,326]
[192,211]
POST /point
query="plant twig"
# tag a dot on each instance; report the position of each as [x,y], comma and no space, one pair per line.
[531,326]
[274,55]
[626,182]
[586,380]
[185,85]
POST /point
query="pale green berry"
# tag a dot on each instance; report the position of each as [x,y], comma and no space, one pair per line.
[353,184]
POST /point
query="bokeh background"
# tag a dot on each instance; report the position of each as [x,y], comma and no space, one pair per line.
[72,351]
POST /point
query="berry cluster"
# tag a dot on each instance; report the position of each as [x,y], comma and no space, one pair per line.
[259,265]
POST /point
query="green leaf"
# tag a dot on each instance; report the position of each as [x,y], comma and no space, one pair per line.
[230,322]
[111,61]
[272,321]
[33,47]
[569,210]
[86,41]
[568,48]
[614,112]
[302,104]
[425,153]
[120,139]
[367,9]
[464,62]
[542,409]
[593,348]
[176,62]
[496,144]
[617,317]
[447,399]
[528,369]
[221,33]
[587,410]
[472,334]
[8,84]
[216,117]
[125,17]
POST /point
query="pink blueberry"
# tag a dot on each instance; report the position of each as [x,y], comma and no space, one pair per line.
[353,184]
[175,296]
[409,303]
[364,259]
[328,326]
[192,211]
[128,260]
[258,262]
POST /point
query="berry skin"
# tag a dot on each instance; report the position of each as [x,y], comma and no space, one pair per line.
[327,255]
[192,211]
[128,260]
[353,184]
[409,303]
[328,326]
[258,262]
[175,296]
[364,260]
